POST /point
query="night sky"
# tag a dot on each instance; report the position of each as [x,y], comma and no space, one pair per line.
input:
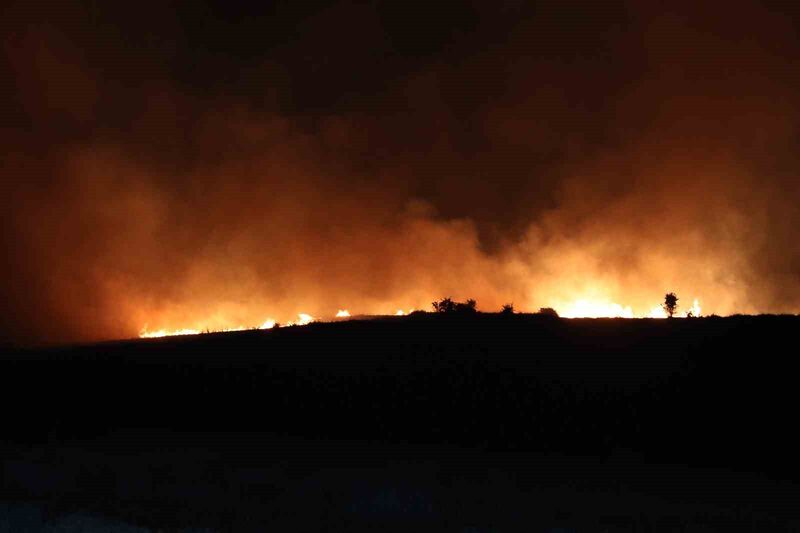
[214,164]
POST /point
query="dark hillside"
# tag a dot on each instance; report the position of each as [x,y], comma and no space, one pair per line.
[711,391]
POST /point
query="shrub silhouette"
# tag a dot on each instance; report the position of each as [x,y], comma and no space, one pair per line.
[447,305]
[670,304]
[548,311]
[470,306]
[508,309]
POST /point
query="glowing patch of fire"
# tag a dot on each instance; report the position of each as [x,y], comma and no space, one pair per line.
[595,309]
[166,333]
[582,308]
[303,319]
[586,308]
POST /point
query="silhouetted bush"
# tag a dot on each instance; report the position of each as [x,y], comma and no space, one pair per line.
[447,305]
[548,311]
[508,309]
[470,306]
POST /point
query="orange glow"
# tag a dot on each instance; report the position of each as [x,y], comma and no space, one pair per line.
[304,319]
[599,308]
[585,308]
[145,334]
[210,210]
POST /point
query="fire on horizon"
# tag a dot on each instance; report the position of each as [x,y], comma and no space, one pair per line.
[577,309]
[210,166]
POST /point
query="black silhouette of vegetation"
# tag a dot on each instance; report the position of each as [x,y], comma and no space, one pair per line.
[548,311]
[670,304]
[447,305]
[470,306]
[507,309]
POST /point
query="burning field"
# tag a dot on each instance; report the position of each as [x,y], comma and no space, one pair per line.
[648,152]
[276,234]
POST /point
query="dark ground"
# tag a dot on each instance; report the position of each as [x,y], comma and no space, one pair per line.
[428,422]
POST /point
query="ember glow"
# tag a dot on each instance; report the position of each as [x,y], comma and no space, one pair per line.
[303,319]
[145,334]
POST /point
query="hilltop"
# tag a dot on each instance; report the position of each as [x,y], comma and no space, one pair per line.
[682,387]
[710,393]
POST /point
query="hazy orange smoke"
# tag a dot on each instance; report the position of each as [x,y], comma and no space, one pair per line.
[660,156]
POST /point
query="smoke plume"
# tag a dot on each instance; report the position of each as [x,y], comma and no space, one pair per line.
[529,155]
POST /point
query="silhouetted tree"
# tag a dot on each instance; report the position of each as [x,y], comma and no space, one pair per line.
[670,304]
[548,311]
[507,309]
[445,305]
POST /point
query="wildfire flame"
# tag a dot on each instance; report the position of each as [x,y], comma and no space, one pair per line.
[581,308]
[695,309]
[303,319]
[588,308]
[595,309]
[145,334]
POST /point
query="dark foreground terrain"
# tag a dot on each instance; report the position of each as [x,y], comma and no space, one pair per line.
[428,423]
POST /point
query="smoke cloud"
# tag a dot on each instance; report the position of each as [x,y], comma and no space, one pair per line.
[534,156]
